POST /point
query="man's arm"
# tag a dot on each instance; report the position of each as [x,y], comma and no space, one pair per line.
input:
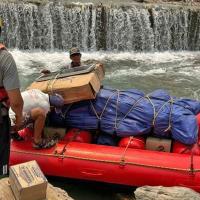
[12,85]
[16,103]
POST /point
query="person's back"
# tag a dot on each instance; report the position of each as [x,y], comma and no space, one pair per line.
[38,99]
[36,106]
[33,98]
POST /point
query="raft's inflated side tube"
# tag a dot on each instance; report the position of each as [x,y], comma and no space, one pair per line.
[133,167]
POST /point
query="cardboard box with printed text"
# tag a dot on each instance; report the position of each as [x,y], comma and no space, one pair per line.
[27,181]
[75,87]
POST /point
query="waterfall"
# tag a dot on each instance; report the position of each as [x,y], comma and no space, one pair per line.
[92,27]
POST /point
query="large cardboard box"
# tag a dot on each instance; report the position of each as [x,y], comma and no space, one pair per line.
[27,181]
[74,88]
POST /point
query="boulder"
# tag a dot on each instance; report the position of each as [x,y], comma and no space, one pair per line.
[165,193]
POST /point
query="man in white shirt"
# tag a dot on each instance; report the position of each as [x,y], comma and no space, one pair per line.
[36,106]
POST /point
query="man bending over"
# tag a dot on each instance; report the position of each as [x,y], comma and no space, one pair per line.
[36,106]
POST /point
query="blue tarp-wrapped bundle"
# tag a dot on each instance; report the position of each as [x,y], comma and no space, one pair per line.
[56,120]
[80,115]
[122,112]
[175,117]
[75,115]
[105,139]
[131,112]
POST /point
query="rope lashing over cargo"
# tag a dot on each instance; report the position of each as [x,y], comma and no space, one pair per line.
[51,82]
[171,101]
[63,115]
[117,122]
[117,106]
[99,117]
[134,106]
[154,109]
[122,160]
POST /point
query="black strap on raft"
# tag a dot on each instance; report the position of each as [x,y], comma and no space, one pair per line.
[66,73]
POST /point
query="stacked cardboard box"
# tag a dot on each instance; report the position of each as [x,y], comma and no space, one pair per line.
[74,88]
[27,181]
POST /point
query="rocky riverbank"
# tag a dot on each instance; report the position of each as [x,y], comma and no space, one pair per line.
[53,193]
[141,193]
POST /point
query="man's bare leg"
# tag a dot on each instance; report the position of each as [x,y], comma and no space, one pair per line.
[39,116]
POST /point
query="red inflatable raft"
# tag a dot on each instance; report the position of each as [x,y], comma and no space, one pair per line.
[119,165]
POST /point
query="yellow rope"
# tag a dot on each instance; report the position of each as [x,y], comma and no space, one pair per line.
[53,82]
[132,107]
[107,101]
[171,101]
[123,155]
[154,109]
[63,115]
[117,105]
[155,114]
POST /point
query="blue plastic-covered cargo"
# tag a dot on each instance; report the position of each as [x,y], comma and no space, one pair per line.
[132,113]
[175,118]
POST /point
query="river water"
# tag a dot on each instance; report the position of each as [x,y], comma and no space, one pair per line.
[177,72]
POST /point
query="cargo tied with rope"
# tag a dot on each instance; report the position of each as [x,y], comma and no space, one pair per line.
[74,85]
[132,113]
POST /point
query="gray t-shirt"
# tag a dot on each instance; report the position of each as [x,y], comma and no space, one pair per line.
[9,78]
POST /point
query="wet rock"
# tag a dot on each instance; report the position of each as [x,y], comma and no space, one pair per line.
[53,193]
[165,193]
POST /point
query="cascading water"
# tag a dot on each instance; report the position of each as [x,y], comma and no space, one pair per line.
[133,27]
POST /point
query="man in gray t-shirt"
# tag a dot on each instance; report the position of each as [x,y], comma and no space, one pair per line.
[10,96]
[9,76]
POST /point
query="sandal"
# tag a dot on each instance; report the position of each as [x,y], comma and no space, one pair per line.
[44,144]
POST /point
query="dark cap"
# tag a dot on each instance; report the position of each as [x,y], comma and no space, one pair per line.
[74,50]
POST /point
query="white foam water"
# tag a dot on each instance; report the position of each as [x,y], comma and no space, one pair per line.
[178,72]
